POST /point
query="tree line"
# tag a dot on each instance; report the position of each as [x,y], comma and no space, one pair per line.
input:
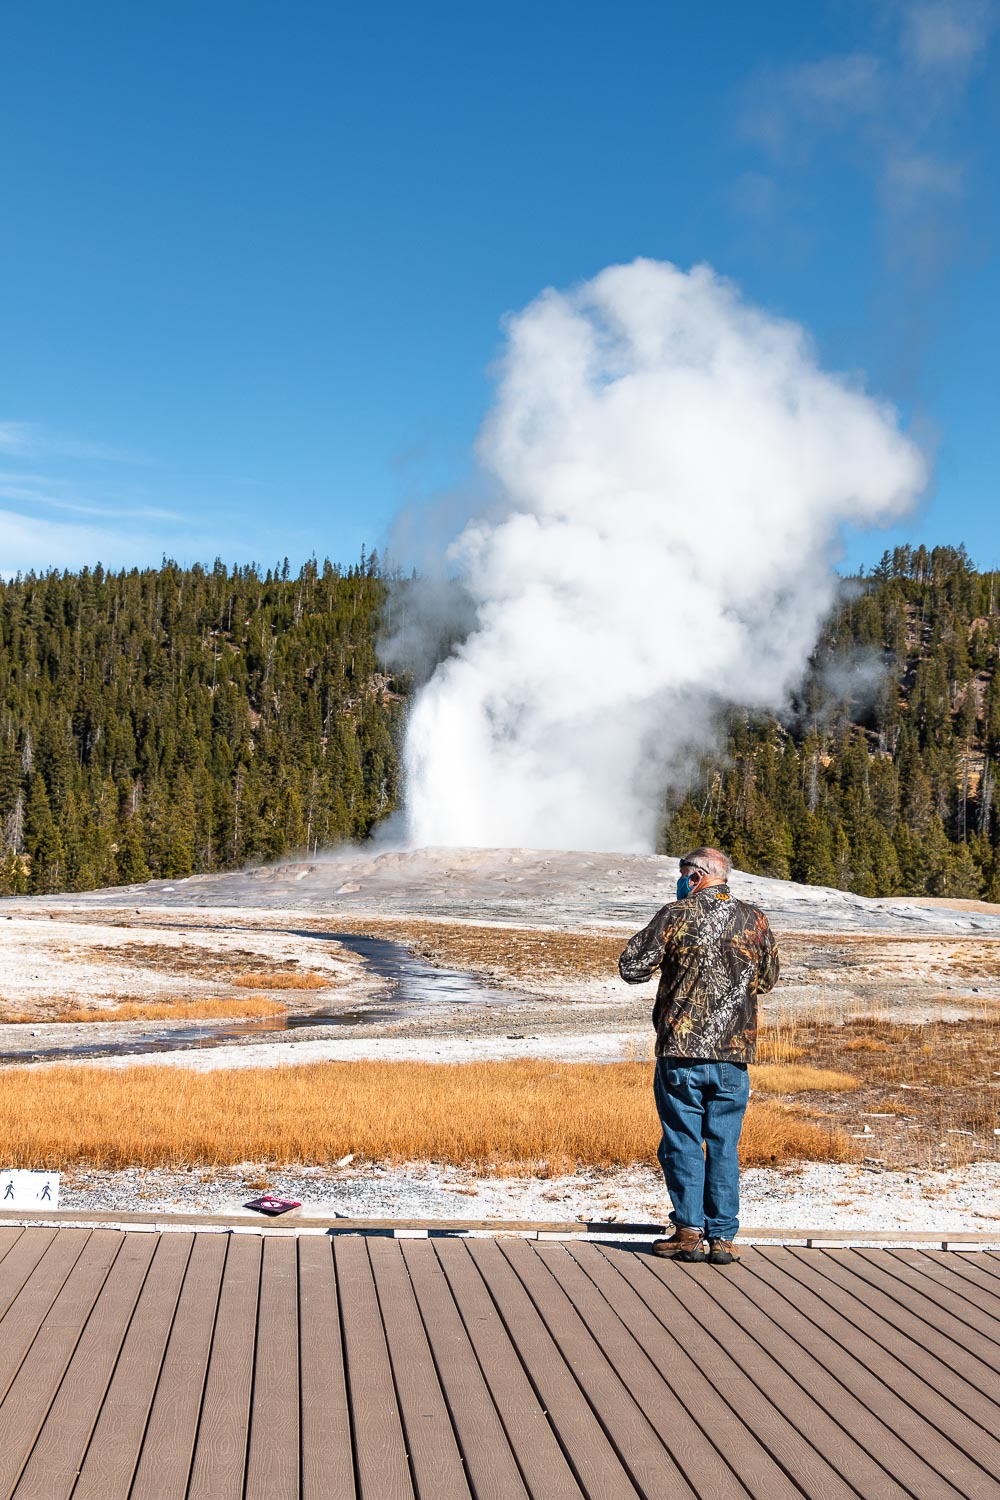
[170,721]
[881,778]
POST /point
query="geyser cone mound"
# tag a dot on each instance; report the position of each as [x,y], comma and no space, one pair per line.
[517,887]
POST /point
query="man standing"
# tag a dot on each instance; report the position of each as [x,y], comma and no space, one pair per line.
[715,956]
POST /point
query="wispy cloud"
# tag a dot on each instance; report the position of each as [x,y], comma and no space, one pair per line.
[37,441]
[15,437]
[832,93]
[31,489]
[37,543]
[944,35]
[911,177]
[67,501]
[894,106]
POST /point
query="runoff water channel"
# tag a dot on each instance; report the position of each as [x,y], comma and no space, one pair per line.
[415,986]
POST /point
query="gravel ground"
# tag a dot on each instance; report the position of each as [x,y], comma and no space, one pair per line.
[814,1196]
[207,930]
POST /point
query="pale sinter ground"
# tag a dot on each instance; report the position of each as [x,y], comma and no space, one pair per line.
[537,928]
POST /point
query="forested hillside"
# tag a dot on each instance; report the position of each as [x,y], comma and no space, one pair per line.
[882,778]
[175,720]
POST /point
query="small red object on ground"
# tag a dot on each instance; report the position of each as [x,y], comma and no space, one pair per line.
[268,1205]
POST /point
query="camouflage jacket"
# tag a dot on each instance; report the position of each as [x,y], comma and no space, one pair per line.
[715,956]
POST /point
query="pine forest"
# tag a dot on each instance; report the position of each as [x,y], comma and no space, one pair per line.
[881,777]
[174,721]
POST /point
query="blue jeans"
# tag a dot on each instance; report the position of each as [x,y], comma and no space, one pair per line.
[702,1103]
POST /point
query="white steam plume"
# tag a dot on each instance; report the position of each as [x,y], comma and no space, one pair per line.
[674,470]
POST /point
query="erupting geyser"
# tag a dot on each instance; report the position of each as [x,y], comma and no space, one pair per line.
[673,470]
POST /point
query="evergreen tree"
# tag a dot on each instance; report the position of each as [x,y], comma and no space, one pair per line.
[132,866]
[171,721]
[885,794]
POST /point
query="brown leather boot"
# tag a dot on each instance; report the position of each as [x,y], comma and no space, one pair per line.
[685,1244]
[722,1253]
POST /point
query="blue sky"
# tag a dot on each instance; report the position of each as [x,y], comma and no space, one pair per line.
[254,260]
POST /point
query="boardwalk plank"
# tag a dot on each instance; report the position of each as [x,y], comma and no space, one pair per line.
[652,1469]
[37,1381]
[273,1460]
[57,1456]
[539,1457]
[109,1465]
[594,1460]
[436,1462]
[21,1260]
[971,1268]
[9,1236]
[947,1272]
[838,1268]
[793,1384]
[168,1445]
[245,1367]
[327,1457]
[381,1467]
[491,1466]
[690,1377]
[944,1446]
[877,1319]
[34,1296]
[793,1451]
[219,1466]
[682,1437]
[938,1305]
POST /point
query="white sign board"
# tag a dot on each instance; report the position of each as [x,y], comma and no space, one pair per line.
[28,1190]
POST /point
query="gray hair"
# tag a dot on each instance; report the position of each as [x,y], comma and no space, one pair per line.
[710,862]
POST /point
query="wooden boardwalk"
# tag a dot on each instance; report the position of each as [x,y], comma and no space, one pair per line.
[211,1366]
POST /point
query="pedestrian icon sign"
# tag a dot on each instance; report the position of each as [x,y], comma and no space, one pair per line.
[22,1191]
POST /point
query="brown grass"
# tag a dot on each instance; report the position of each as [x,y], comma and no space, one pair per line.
[511,953]
[176,1010]
[511,1118]
[282,981]
[934,1080]
[196,960]
[792,1079]
[778,1044]
[516,955]
[238,966]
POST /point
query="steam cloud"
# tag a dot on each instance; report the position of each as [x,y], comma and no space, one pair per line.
[673,469]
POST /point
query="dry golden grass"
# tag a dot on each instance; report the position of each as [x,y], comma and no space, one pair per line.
[774,1135]
[208,1009]
[926,1092]
[282,981]
[511,1118]
[941,1054]
[777,1044]
[771,1078]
